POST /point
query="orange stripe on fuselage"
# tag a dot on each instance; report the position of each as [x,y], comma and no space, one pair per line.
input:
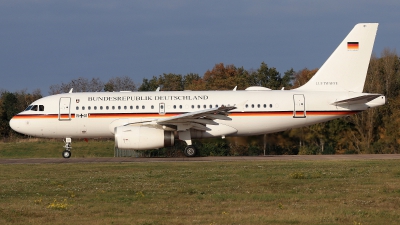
[156,115]
[331,113]
[129,115]
[43,116]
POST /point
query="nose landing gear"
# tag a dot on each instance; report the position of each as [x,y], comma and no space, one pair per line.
[67,152]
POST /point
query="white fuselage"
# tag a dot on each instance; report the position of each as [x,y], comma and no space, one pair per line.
[96,114]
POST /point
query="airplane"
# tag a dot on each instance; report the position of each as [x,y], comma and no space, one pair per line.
[151,120]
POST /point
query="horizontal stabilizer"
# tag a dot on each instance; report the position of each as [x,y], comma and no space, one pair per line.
[357,100]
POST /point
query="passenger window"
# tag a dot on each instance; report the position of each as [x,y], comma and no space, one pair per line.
[247,106]
[143,107]
[174,106]
[113,107]
[180,106]
[77,108]
[152,107]
[216,106]
[258,106]
[270,105]
[198,106]
[265,105]
[125,107]
[83,107]
[137,107]
[107,107]
[252,105]
[204,106]
[101,107]
[89,108]
[119,107]
[95,107]
[131,107]
[192,106]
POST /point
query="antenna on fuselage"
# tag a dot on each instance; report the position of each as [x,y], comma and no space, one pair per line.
[70,91]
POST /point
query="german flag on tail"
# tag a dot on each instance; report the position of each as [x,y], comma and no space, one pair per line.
[352,46]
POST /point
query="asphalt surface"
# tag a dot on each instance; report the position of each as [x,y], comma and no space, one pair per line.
[202,159]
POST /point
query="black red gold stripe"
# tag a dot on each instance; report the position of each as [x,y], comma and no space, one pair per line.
[44,116]
[156,115]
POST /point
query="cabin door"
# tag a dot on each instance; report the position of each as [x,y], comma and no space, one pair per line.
[299,110]
[65,109]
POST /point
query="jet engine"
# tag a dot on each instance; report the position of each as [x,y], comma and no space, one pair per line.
[142,137]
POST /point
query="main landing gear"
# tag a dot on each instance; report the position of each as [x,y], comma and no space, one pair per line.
[189,151]
[67,152]
[185,136]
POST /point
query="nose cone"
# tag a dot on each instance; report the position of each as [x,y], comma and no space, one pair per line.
[16,124]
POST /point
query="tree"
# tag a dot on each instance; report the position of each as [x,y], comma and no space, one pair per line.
[124,83]
[192,81]
[220,77]
[303,76]
[79,85]
[166,82]
[149,85]
[171,82]
[9,108]
[287,79]
[266,77]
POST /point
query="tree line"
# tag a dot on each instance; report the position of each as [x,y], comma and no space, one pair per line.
[373,131]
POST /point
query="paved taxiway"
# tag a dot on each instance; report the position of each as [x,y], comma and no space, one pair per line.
[201,159]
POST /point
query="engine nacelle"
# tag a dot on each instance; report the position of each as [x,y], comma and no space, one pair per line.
[142,137]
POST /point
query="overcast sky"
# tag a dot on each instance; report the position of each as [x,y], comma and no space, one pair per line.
[47,42]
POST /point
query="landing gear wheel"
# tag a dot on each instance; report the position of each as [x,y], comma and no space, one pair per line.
[190,151]
[66,154]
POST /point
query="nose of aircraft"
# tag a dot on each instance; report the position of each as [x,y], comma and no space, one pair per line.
[15,124]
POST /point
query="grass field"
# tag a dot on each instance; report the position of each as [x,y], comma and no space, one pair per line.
[50,148]
[270,192]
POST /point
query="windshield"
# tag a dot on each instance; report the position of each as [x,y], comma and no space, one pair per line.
[35,108]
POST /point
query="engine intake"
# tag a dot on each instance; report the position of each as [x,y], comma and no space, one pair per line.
[142,137]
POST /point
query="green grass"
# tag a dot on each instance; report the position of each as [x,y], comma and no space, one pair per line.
[45,148]
[270,192]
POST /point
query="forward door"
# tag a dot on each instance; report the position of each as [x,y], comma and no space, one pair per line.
[64,109]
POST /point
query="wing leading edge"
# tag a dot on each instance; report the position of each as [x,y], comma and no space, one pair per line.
[198,120]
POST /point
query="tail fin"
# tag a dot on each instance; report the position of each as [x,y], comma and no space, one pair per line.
[346,68]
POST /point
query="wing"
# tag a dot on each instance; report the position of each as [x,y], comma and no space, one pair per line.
[199,119]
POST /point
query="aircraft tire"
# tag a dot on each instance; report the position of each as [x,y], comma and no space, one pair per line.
[190,151]
[66,154]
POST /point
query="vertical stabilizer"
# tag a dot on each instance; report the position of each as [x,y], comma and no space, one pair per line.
[346,68]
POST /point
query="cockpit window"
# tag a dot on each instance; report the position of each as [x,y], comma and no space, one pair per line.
[35,108]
